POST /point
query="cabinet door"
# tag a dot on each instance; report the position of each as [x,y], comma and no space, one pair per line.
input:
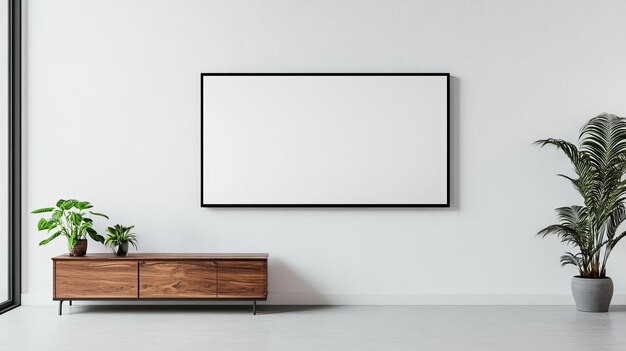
[242,279]
[177,279]
[95,279]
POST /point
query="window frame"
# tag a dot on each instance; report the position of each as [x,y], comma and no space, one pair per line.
[15,154]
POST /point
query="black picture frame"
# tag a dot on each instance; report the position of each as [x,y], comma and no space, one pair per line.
[15,154]
[214,205]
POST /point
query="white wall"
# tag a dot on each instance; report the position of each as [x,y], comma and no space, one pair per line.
[112,116]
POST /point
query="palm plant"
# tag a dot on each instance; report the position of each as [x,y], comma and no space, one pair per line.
[599,162]
[69,218]
[120,234]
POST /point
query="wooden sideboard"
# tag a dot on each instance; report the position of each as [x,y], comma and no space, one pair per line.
[160,276]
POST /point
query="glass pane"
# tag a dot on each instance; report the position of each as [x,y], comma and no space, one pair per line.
[4,149]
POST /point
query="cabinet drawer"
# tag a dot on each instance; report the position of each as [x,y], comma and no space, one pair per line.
[95,279]
[242,279]
[177,279]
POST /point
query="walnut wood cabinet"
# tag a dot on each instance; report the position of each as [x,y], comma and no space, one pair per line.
[160,276]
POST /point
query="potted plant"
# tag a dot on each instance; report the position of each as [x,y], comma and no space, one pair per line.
[119,237]
[599,162]
[69,218]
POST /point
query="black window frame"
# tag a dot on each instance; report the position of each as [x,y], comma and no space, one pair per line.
[15,154]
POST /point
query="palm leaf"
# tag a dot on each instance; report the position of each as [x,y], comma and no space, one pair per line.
[603,138]
[570,150]
[570,258]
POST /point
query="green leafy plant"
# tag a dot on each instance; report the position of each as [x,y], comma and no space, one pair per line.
[120,234]
[599,162]
[69,218]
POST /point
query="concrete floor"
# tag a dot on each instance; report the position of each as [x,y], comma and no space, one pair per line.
[154,328]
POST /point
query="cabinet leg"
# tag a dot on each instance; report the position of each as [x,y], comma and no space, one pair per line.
[70,302]
[254,307]
[60,307]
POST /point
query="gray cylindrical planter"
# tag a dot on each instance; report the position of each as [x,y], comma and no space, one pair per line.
[592,294]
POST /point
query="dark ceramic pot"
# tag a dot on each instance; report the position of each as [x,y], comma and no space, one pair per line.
[80,249]
[121,249]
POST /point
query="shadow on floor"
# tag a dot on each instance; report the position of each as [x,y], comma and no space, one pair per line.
[274,309]
[158,309]
[617,308]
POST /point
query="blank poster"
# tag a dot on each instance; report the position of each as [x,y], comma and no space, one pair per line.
[325,140]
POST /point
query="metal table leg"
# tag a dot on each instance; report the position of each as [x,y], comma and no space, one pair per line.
[60,307]
[254,307]
[70,302]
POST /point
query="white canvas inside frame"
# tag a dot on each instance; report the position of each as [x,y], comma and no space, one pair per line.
[325,140]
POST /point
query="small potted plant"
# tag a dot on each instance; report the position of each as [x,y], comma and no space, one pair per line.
[69,218]
[119,237]
[599,161]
